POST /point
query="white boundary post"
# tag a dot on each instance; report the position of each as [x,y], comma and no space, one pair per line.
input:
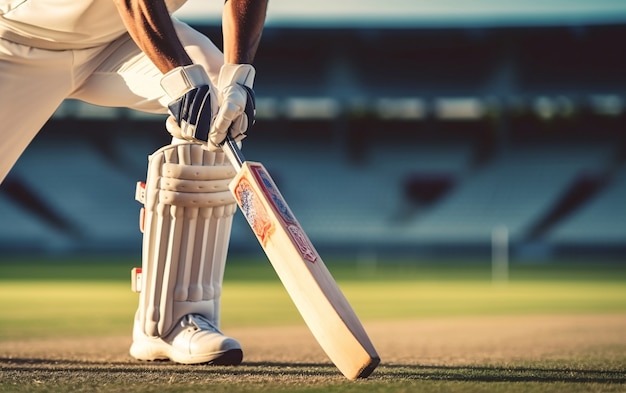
[500,254]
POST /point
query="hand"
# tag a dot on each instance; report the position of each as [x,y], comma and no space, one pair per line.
[194,103]
[236,112]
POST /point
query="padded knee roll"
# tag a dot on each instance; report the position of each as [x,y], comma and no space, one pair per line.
[186,224]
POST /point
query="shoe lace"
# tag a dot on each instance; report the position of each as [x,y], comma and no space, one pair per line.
[200,322]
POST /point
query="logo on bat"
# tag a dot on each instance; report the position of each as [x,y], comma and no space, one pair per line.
[303,243]
[277,199]
[253,210]
[280,207]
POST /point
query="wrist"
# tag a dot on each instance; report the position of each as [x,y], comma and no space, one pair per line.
[242,74]
[182,79]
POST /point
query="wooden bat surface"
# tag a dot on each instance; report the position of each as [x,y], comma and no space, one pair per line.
[304,275]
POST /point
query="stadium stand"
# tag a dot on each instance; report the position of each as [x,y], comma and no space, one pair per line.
[599,222]
[25,232]
[515,191]
[379,138]
[78,184]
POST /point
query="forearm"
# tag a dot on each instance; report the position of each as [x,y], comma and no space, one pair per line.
[150,25]
[242,25]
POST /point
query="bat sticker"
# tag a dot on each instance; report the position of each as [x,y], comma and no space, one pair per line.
[271,190]
[302,241]
[280,206]
[253,210]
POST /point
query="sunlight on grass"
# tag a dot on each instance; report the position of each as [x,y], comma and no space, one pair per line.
[246,304]
[60,308]
[46,309]
[92,297]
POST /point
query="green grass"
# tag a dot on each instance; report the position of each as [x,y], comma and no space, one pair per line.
[273,378]
[539,377]
[55,298]
[92,297]
[74,308]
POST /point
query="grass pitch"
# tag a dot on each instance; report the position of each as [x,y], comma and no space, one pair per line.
[65,326]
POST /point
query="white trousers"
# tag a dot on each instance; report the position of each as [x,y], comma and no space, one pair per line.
[34,82]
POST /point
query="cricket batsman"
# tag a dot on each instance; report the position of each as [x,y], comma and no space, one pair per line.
[135,54]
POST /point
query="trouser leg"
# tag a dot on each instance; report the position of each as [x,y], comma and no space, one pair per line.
[33,83]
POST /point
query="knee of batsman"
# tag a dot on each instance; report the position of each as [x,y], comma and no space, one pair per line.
[194,193]
[186,175]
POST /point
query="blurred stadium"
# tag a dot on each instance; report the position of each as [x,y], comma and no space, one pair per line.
[422,130]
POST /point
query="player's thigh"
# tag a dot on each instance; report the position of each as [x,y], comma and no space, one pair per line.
[122,76]
[33,83]
[126,77]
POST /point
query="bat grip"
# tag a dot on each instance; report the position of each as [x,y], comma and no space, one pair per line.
[233,153]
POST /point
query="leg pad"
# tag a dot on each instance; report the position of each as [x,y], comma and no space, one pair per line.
[186,222]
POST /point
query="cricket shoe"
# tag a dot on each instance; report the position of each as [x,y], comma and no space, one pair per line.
[194,340]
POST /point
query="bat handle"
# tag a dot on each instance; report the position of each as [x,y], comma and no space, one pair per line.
[232,151]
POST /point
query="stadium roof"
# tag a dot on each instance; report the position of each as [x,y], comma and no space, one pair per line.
[423,13]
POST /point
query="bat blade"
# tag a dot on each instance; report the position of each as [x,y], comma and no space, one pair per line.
[304,275]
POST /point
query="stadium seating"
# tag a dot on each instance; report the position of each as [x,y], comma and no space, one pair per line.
[340,202]
[25,232]
[96,200]
[513,191]
[602,221]
[378,138]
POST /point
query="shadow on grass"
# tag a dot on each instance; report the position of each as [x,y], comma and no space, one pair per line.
[23,369]
[49,369]
[503,374]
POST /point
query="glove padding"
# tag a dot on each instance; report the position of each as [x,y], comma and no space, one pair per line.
[237,107]
[195,113]
[194,103]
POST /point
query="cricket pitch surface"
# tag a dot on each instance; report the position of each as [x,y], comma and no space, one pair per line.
[592,347]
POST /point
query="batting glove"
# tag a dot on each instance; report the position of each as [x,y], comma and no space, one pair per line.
[237,109]
[194,103]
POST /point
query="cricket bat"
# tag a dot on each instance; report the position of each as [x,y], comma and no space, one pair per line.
[308,282]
